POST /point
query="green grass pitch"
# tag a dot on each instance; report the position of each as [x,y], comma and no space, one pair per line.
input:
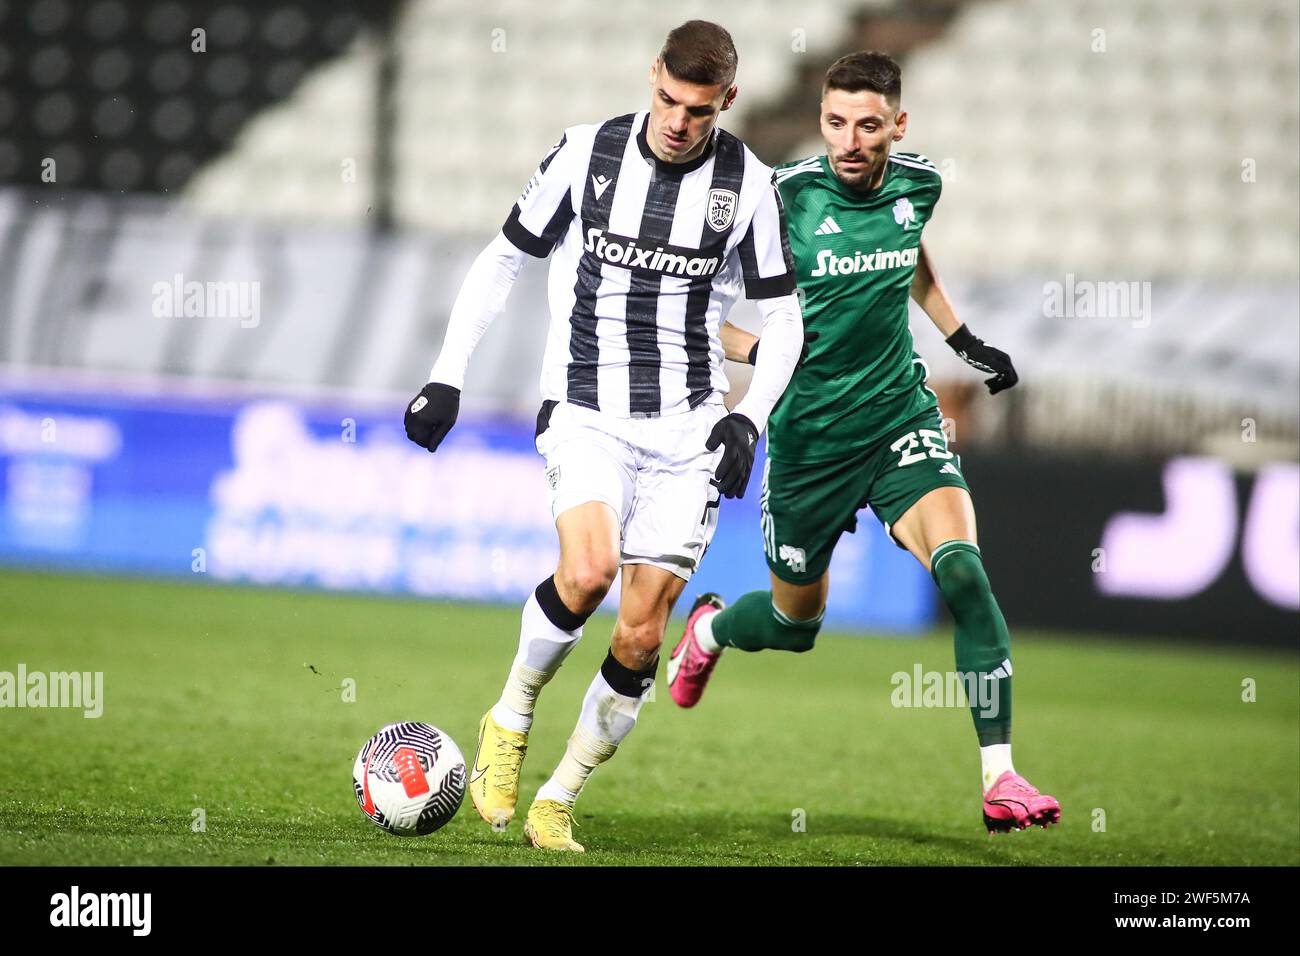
[229,699]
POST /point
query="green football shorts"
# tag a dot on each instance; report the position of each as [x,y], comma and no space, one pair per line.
[806,507]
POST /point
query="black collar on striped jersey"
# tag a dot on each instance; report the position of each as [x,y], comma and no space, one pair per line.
[677,169]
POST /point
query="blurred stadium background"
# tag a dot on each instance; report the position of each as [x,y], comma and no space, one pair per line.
[230,236]
[1119,214]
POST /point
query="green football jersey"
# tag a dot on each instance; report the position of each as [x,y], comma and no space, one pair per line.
[854,254]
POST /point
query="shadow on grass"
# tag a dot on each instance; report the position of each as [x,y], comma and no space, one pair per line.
[620,839]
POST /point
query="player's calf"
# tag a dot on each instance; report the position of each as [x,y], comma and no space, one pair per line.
[649,593]
[755,623]
[982,643]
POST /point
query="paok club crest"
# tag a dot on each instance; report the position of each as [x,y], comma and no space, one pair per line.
[722,209]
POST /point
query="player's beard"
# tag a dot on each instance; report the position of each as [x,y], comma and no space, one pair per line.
[863,177]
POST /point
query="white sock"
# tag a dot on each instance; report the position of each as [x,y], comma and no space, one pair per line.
[995,760]
[607,718]
[704,634]
[542,649]
[551,790]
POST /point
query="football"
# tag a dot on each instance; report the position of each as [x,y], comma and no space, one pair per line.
[409,778]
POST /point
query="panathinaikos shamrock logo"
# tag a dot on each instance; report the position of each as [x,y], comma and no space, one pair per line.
[904,214]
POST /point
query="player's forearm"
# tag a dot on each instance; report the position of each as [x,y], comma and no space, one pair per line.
[932,297]
[482,297]
[736,342]
[782,343]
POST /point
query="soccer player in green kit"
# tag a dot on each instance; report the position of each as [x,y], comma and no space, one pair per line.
[857,425]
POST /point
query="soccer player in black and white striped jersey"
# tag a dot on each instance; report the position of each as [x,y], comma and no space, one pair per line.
[655,222]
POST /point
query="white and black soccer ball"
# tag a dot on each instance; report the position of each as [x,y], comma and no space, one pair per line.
[409,778]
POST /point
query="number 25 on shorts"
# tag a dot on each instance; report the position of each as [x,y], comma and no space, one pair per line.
[933,441]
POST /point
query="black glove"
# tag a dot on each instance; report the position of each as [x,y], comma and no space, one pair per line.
[985,358]
[740,437]
[431,414]
[808,339]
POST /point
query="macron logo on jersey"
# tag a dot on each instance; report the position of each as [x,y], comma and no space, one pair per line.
[669,260]
[827,227]
[829,264]
[599,184]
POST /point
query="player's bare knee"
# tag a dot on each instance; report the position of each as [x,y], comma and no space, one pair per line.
[637,645]
[640,629]
[587,580]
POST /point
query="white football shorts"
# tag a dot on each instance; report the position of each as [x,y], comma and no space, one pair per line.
[654,473]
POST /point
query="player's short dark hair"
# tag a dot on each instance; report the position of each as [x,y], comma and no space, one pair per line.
[876,72]
[700,52]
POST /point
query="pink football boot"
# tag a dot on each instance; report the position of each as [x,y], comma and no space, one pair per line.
[690,666]
[1013,803]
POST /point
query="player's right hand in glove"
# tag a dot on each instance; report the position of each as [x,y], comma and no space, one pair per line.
[986,358]
[739,438]
[431,414]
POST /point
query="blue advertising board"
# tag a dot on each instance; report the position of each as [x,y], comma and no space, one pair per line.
[321,493]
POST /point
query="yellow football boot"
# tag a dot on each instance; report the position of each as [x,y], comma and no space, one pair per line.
[494,778]
[550,826]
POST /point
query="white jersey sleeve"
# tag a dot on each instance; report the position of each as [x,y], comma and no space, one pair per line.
[782,340]
[543,213]
[765,260]
[482,297]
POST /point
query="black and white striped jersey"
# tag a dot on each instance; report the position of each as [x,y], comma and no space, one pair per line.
[648,258]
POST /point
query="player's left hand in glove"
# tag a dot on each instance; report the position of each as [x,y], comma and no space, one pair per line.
[986,358]
[739,438]
[431,414]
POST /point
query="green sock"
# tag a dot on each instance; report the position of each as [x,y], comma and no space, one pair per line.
[981,642]
[754,624]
